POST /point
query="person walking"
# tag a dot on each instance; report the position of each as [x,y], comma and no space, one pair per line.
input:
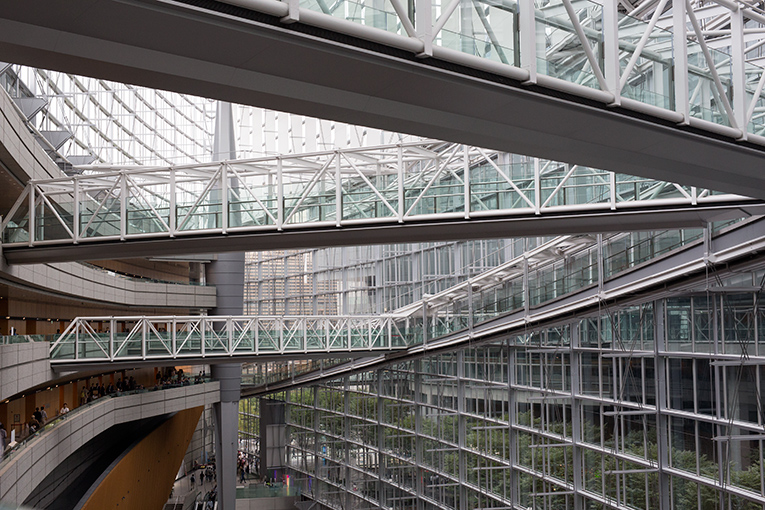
[193,481]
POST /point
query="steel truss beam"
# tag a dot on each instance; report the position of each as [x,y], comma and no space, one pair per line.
[108,340]
[410,191]
[601,89]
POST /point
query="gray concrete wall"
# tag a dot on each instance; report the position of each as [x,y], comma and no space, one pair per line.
[23,366]
[78,280]
[21,472]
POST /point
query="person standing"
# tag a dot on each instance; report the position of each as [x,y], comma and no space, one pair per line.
[64,410]
[3,440]
[43,415]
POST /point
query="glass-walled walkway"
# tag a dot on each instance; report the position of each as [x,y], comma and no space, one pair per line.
[562,277]
[427,187]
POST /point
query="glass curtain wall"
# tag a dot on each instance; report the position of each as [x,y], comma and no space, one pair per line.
[366,279]
[656,405]
[92,121]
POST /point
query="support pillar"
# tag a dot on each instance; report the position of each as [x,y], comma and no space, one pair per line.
[226,415]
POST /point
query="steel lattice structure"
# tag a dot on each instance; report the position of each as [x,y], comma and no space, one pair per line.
[415,183]
[652,402]
[118,123]
[659,58]
[208,338]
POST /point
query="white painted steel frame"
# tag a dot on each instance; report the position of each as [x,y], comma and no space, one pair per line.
[423,36]
[120,123]
[610,363]
[391,184]
[206,338]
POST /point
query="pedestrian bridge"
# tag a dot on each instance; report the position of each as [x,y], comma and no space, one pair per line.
[534,288]
[649,94]
[409,192]
[92,341]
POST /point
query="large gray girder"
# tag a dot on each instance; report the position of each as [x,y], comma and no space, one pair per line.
[316,64]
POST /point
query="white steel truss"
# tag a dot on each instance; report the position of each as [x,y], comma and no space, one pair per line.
[202,337]
[675,60]
[122,124]
[407,183]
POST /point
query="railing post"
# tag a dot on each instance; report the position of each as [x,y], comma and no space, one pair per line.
[172,214]
[338,190]
[680,54]
[526,290]
[611,67]
[112,327]
[471,306]
[425,332]
[76,210]
[143,337]
[612,190]
[279,195]
[281,335]
[601,264]
[257,336]
[528,37]
[738,55]
[466,178]
[537,188]
[401,190]
[174,337]
[326,334]
[224,197]
[32,219]
[203,332]
[229,334]
[123,205]
[423,25]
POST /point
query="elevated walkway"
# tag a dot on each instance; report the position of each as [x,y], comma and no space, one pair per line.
[201,339]
[565,277]
[413,192]
[599,89]
[495,304]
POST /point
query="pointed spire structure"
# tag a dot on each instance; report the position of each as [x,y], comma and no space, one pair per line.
[224,141]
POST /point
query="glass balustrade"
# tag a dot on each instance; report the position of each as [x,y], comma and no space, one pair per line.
[365,185]
[491,29]
[556,269]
